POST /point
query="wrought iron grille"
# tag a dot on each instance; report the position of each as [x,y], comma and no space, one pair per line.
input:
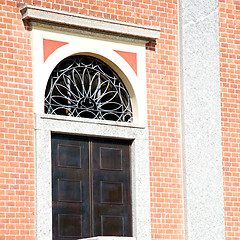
[84,86]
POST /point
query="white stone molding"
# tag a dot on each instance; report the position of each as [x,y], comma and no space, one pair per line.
[138,134]
[39,14]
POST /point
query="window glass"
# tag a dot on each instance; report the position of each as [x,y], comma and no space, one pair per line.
[84,86]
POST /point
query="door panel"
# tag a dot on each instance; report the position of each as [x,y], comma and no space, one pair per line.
[112,214]
[70,179]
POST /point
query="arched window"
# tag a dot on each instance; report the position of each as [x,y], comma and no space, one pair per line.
[84,86]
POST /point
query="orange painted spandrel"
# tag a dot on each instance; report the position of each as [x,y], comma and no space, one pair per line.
[50,46]
[130,58]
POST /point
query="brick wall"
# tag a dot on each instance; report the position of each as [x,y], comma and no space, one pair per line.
[16,127]
[229,13]
[17,189]
[164,127]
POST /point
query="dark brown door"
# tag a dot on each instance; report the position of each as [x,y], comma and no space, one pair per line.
[91,188]
[70,192]
[111,188]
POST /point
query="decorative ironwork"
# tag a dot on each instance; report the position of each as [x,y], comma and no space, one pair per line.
[84,86]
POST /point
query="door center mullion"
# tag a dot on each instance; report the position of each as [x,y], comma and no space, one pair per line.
[91,188]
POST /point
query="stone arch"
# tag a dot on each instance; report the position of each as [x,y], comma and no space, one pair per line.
[111,58]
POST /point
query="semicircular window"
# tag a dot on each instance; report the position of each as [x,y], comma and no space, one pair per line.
[84,86]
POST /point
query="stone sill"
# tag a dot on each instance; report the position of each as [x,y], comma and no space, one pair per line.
[109,238]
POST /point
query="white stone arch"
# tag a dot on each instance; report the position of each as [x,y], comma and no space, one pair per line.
[134,85]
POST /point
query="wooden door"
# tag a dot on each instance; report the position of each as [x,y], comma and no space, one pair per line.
[91,193]
[111,188]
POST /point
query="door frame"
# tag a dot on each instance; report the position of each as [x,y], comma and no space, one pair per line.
[45,125]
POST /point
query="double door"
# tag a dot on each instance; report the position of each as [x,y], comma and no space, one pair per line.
[91,194]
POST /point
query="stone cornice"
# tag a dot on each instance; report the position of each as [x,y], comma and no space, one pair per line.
[35,14]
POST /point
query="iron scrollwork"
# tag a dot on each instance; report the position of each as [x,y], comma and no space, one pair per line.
[84,86]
